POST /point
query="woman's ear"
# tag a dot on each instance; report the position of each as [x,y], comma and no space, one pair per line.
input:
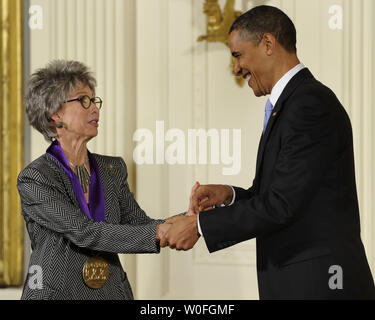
[56,120]
[55,117]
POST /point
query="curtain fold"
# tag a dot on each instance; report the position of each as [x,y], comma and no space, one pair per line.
[11,142]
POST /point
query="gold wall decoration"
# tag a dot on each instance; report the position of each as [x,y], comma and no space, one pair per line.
[219,23]
[11,143]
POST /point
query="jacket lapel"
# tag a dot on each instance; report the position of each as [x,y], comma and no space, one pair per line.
[65,179]
[107,182]
[107,174]
[289,89]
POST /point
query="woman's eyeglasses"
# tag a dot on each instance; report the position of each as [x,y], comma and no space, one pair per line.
[86,101]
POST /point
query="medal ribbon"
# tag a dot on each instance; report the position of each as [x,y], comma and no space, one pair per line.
[96,211]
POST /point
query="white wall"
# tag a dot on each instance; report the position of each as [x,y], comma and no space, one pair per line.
[191,86]
[101,34]
[149,67]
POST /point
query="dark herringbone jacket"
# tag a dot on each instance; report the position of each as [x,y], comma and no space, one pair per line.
[63,238]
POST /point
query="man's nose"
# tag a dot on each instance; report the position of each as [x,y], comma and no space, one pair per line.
[237,68]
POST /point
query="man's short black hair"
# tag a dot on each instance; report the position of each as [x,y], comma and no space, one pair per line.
[266,19]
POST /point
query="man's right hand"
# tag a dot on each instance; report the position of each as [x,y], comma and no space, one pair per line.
[205,197]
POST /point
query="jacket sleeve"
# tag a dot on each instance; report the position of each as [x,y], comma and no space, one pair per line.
[307,150]
[241,193]
[49,206]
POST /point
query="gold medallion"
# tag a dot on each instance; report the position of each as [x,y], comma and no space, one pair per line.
[95,272]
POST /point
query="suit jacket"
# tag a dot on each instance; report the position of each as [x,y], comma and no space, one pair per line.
[63,238]
[302,207]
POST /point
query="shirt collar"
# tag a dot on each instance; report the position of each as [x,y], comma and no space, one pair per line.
[281,84]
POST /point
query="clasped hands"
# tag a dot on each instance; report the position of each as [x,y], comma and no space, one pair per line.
[181,232]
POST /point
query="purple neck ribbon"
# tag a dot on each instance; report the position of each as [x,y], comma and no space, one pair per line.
[96,211]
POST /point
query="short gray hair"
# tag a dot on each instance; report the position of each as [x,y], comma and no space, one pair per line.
[48,89]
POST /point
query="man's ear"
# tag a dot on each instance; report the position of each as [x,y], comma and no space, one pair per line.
[269,41]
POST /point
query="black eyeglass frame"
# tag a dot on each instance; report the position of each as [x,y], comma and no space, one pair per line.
[92,100]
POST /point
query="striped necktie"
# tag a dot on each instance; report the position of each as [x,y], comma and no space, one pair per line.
[269,108]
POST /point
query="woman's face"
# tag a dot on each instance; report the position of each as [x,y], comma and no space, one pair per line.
[78,122]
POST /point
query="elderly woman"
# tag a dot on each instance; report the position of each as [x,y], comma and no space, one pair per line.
[77,205]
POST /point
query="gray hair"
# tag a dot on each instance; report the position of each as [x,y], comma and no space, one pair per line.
[48,89]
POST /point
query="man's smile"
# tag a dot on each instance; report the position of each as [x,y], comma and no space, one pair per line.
[247,77]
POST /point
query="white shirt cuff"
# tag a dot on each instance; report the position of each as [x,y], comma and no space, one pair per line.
[199,226]
[233,199]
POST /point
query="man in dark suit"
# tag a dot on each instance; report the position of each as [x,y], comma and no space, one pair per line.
[302,207]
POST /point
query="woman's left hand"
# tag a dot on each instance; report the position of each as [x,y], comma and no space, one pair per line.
[161,230]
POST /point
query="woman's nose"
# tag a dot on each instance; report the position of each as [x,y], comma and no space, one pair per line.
[94,108]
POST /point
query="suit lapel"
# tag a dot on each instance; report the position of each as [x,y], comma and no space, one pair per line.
[289,89]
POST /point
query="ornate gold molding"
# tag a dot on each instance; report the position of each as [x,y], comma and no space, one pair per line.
[219,23]
[11,143]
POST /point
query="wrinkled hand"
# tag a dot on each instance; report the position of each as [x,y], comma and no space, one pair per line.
[205,197]
[161,230]
[183,234]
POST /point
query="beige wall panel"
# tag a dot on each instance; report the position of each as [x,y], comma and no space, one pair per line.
[100,33]
[150,67]
[207,97]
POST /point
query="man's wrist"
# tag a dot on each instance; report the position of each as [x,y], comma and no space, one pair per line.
[199,226]
[231,195]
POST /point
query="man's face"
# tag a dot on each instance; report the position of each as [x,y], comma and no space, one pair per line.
[250,63]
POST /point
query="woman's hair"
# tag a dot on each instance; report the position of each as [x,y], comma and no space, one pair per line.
[49,88]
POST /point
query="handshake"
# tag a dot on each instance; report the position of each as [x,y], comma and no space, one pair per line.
[181,232]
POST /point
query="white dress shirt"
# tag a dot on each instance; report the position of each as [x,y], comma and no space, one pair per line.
[279,87]
[276,92]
